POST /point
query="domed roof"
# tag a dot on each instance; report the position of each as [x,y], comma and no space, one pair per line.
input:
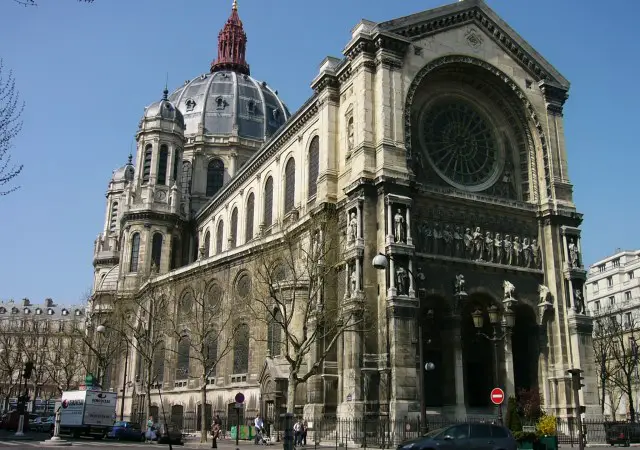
[166,110]
[124,173]
[224,100]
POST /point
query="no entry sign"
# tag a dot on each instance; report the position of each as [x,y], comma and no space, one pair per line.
[497,396]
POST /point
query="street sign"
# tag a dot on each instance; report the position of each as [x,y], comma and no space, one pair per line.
[239,397]
[497,396]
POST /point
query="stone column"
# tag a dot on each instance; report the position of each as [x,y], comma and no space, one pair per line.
[351,405]
[392,278]
[408,221]
[412,289]
[565,251]
[509,383]
[347,287]
[389,220]
[458,366]
[358,275]
[233,164]
[359,218]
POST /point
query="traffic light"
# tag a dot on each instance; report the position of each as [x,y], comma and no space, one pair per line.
[28,368]
[576,378]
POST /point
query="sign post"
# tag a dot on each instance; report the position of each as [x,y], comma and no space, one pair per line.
[239,401]
[497,398]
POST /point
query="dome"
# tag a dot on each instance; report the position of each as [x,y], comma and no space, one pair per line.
[164,109]
[124,173]
[218,103]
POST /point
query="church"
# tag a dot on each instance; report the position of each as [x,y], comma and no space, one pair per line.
[438,141]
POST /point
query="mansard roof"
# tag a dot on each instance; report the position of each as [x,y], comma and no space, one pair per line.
[435,20]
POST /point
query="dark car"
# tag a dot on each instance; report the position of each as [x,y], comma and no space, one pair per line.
[169,433]
[623,434]
[125,431]
[478,436]
[11,420]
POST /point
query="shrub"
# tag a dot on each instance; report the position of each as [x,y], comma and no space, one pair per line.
[525,436]
[547,425]
[513,419]
[530,404]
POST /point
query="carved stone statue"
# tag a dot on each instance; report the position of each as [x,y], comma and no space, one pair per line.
[447,239]
[574,254]
[460,284]
[544,293]
[517,251]
[579,301]
[458,242]
[509,289]
[468,243]
[535,251]
[398,219]
[478,244]
[526,252]
[508,250]
[488,246]
[402,277]
[437,238]
[353,279]
[352,228]
[499,251]
[350,134]
[427,238]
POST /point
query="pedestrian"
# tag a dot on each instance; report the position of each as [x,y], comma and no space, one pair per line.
[305,427]
[297,433]
[215,433]
[259,424]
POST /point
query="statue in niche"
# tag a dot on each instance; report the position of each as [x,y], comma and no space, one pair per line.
[574,254]
[437,236]
[508,250]
[517,249]
[526,252]
[398,219]
[478,241]
[468,243]
[427,237]
[458,242]
[402,278]
[459,284]
[352,228]
[509,289]
[353,278]
[447,238]
[579,301]
[535,251]
[499,250]
[488,246]
[350,134]
[544,293]
[317,244]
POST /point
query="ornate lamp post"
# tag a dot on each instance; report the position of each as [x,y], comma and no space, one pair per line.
[500,325]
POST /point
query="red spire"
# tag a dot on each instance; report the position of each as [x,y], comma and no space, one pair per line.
[232,45]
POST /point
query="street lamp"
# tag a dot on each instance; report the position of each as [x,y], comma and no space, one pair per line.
[508,321]
[380,263]
[100,329]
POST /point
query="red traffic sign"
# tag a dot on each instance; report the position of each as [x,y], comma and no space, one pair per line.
[239,397]
[497,396]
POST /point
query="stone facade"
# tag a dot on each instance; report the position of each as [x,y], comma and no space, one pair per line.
[438,139]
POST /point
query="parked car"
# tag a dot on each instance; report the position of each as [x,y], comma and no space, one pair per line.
[168,433]
[43,424]
[485,436]
[126,431]
[11,420]
[623,433]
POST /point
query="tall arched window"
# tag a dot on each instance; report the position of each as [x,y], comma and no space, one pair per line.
[113,220]
[289,185]
[248,221]
[219,237]
[135,252]
[156,250]
[274,332]
[233,231]
[146,163]
[163,158]
[176,161]
[182,366]
[215,176]
[158,364]
[185,182]
[314,166]
[241,349]
[268,202]
[207,244]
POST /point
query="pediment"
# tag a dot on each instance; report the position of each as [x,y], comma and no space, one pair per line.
[275,368]
[426,23]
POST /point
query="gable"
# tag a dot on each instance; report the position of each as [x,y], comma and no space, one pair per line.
[476,12]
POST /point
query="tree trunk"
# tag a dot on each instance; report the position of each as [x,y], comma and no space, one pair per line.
[203,409]
[148,403]
[603,386]
[291,393]
[632,410]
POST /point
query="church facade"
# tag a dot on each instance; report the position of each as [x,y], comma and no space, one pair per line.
[438,140]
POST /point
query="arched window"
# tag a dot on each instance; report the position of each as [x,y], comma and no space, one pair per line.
[158,364]
[268,202]
[215,176]
[207,244]
[289,185]
[156,250]
[182,366]
[233,232]
[274,332]
[176,161]
[314,166]
[211,357]
[113,220]
[185,182]
[146,164]
[248,224]
[219,237]
[241,349]
[163,158]
[135,252]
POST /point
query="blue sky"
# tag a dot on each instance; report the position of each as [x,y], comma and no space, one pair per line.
[86,72]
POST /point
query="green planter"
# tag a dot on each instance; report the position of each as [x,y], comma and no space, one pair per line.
[526,445]
[549,442]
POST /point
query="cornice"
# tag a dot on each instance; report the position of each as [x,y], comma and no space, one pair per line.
[111,261]
[148,215]
[554,96]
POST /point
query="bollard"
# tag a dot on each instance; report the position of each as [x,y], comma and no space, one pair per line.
[287,438]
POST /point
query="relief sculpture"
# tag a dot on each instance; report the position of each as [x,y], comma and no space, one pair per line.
[509,248]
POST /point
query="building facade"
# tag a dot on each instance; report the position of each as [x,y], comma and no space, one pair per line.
[613,300]
[51,337]
[438,139]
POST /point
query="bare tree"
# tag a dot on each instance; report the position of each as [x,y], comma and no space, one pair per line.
[10,125]
[203,328]
[605,367]
[10,363]
[66,361]
[620,331]
[295,295]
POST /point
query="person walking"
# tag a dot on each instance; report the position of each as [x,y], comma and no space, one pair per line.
[297,433]
[303,438]
[259,424]
[215,432]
